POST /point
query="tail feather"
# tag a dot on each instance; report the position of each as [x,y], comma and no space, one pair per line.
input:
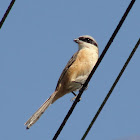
[40,111]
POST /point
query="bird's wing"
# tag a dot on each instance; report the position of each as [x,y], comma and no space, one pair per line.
[70,62]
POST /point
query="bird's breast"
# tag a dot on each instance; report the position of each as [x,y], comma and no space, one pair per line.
[85,61]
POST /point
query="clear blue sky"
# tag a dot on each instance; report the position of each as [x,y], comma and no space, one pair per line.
[36,41]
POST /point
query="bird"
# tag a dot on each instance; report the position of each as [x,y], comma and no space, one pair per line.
[74,74]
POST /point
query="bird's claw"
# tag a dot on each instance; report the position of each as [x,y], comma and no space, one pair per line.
[75,96]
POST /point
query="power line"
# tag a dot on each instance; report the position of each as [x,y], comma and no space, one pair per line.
[6,13]
[110,91]
[93,70]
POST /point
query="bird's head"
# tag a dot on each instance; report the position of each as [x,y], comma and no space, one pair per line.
[86,41]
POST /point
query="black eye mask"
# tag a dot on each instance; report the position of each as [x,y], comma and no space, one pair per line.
[88,40]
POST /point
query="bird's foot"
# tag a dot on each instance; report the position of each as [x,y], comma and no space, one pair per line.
[75,96]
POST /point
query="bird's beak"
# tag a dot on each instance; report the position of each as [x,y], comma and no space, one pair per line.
[76,40]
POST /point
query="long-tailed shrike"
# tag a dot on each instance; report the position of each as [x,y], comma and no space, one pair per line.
[74,74]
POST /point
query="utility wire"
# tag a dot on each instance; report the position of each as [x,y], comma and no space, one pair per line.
[6,13]
[93,70]
[110,91]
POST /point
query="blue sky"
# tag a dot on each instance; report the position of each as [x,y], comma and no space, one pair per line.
[36,41]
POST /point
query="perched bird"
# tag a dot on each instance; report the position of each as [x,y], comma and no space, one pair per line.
[74,74]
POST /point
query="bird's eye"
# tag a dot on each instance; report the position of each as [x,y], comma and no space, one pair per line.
[88,40]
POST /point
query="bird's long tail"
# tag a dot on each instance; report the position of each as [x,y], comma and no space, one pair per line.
[40,111]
